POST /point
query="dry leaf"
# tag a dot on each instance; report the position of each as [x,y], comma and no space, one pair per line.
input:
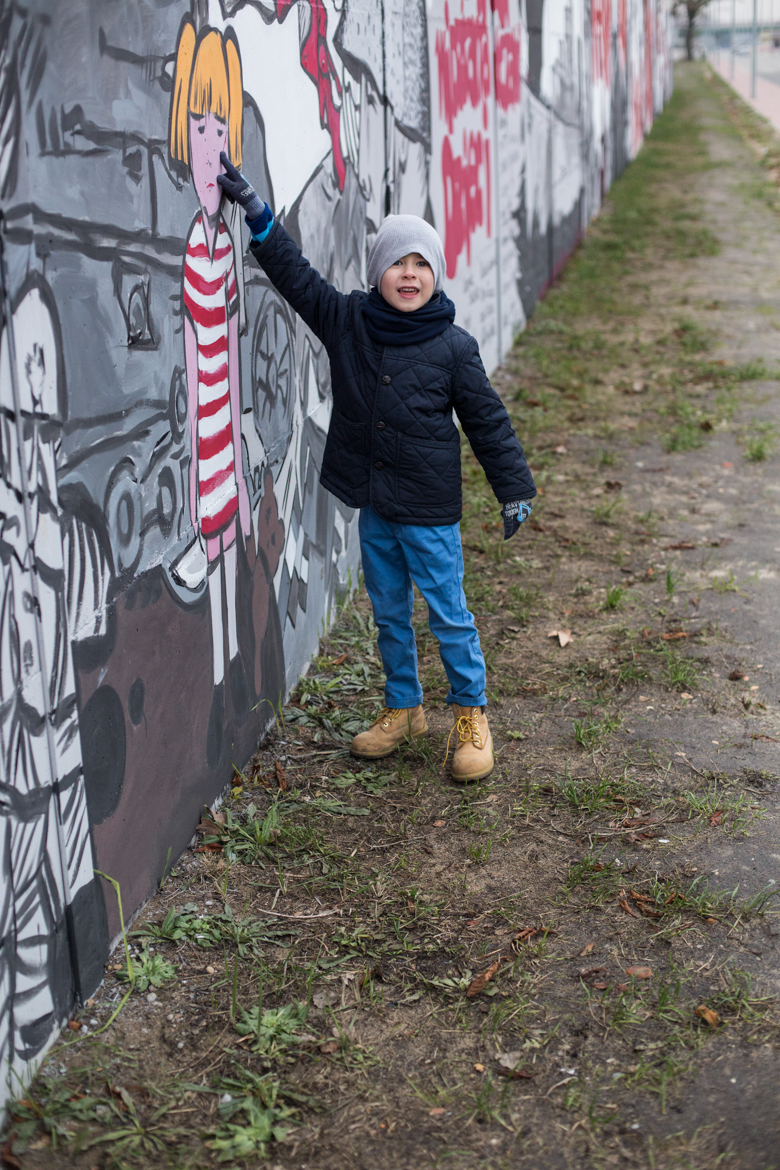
[479,1067]
[329,1046]
[341,658]
[563,636]
[437,1112]
[522,936]
[507,1066]
[560,450]
[74,1025]
[122,1098]
[641,897]
[639,972]
[628,909]
[646,910]
[674,636]
[480,982]
[325,998]
[9,1158]
[707,1014]
[716,817]
[207,826]
[737,676]
[681,544]
[280,776]
[600,986]
[586,950]
[585,972]
[439,824]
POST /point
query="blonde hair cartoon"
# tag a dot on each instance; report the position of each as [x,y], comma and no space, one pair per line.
[207,80]
[206,118]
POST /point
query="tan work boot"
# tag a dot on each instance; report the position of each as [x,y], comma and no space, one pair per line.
[473,758]
[392,727]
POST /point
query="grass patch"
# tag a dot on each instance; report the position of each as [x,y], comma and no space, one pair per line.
[680,673]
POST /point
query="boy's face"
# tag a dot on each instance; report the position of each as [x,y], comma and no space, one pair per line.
[408,284]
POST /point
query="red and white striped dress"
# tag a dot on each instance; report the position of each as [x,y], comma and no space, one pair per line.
[210,298]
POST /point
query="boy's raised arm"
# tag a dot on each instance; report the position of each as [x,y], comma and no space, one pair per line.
[322,307]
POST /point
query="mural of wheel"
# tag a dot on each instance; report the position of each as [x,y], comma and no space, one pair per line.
[123,509]
[166,500]
[273,374]
[178,403]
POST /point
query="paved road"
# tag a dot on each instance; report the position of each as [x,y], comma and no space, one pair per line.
[767,99]
[715,492]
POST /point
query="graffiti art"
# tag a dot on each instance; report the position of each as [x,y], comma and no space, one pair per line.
[169,558]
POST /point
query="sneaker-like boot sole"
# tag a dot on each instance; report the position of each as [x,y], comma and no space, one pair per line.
[476,776]
[381,755]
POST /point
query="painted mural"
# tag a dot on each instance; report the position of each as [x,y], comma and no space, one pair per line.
[168,557]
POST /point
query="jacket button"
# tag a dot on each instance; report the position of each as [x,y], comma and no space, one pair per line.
[379,465]
[386,379]
[380,426]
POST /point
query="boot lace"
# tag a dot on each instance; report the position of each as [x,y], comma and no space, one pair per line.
[467,727]
[386,715]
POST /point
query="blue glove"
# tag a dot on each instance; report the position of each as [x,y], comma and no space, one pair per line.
[513,516]
[240,190]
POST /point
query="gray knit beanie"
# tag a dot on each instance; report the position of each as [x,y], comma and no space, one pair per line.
[398,236]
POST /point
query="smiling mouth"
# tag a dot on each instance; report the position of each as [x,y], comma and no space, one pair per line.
[405,292]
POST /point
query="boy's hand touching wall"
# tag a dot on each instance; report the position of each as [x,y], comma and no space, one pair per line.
[513,516]
[240,190]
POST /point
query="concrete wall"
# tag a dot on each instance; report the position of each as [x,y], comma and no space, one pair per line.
[140,653]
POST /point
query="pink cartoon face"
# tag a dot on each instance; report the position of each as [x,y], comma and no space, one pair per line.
[208,136]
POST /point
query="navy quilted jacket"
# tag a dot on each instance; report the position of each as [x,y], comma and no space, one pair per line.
[392,441]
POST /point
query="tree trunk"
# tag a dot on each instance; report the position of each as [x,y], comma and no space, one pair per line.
[689,33]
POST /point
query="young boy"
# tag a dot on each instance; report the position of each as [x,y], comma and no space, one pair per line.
[399,367]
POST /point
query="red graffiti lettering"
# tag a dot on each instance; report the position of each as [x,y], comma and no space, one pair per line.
[637,119]
[649,55]
[507,69]
[463,56]
[601,35]
[622,32]
[318,64]
[501,9]
[465,206]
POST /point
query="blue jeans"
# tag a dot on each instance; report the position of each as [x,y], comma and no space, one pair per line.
[394,556]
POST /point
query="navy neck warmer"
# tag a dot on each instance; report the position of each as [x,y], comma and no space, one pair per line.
[390,326]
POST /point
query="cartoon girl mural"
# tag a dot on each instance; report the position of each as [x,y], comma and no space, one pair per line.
[206,118]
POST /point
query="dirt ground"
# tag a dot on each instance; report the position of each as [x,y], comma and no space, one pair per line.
[576,962]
